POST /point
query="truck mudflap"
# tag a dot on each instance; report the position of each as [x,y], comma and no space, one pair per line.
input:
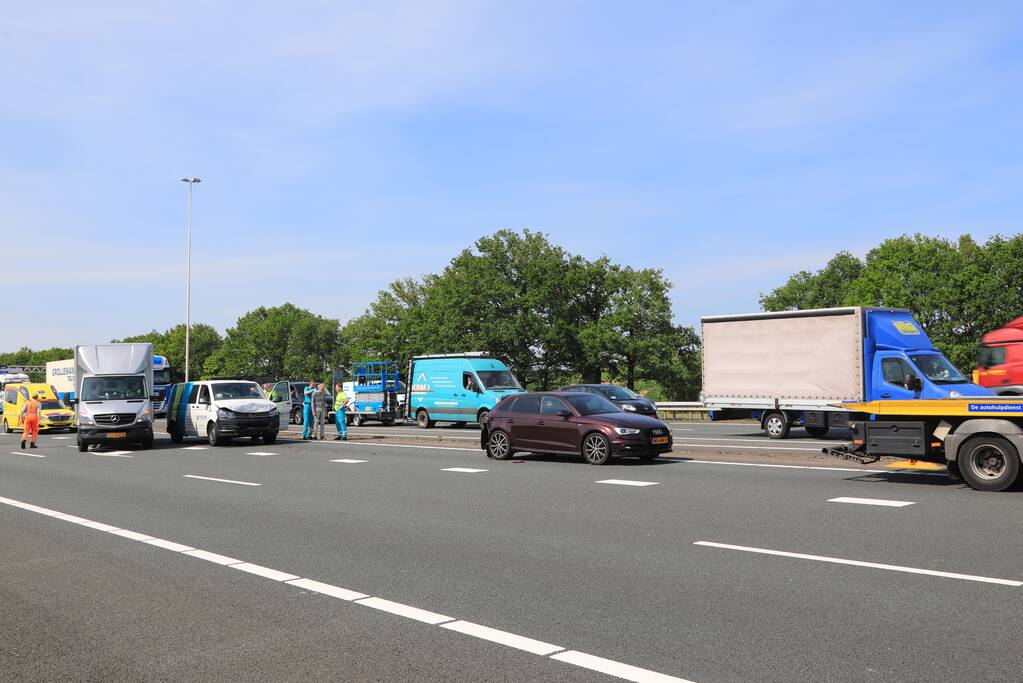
[852,452]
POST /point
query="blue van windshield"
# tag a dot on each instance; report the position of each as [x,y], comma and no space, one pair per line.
[937,368]
[498,379]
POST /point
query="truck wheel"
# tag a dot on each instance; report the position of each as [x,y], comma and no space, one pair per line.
[7,427]
[776,426]
[423,420]
[988,463]
[358,420]
[816,432]
[482,415]
[213,435]
[82,446]
[388,421]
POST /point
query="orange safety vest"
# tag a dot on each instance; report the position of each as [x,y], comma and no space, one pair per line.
[32,409]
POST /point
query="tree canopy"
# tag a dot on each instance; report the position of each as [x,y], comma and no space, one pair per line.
[957,290]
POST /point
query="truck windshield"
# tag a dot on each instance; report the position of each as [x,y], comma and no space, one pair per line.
[498,379]
[161,377]
[224,391]
[131,387]
[937,369]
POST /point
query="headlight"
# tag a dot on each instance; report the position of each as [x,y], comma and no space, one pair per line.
[84,420]
[630,408]
[626,430]
[224,413]
[274,412]
[144,416]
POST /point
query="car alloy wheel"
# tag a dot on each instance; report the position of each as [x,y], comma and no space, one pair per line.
[498,446]
[596,449]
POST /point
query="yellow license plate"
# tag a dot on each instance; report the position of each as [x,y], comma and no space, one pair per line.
[659,440]
[116,435]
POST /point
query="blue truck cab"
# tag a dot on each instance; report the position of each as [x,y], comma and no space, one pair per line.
[161,383]
[896,350]
[458,387]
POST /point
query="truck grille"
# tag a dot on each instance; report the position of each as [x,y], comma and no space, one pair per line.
[114,419]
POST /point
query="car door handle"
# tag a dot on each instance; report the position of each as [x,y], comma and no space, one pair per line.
[539,422]
[886,395]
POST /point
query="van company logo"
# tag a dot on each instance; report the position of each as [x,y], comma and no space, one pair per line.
[421,385]
[996,408]
[906,327]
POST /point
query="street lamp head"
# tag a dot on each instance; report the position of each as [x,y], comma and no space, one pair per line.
[191,180]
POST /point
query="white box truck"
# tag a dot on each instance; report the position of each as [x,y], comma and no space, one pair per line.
[792,367]
[60,374]
[114,387]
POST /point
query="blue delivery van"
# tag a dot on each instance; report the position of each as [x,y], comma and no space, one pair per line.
[796,368]
[456,387]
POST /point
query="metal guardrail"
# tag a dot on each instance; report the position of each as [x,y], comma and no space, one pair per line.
[683,410]
[681,405]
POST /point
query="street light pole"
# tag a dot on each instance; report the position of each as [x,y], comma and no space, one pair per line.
[188,277]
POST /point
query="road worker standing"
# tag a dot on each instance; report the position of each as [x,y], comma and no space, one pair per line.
[340,419]
[319,412]
[307,411]
[29,418]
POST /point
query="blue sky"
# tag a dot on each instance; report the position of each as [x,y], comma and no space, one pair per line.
[343,145]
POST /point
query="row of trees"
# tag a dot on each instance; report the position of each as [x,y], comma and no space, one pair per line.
[554,317]
[958,289]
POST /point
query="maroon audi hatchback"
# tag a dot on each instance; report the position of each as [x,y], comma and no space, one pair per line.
[571,423]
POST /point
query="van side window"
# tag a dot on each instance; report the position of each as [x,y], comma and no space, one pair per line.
[895,371]
[193,395]
[12,396]
[204,395]
[527,404]
[550,405]
[469,382]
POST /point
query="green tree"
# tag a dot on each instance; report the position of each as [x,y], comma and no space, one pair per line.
[276,341]
[204,340]
[827,288]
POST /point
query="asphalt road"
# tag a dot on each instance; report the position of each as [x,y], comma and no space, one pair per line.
[708,571]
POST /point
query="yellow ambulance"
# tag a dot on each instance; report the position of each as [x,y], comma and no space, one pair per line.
[54,415]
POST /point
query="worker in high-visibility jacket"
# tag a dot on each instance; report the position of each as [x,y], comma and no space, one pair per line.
[29,418]
[340,419]
[307,411]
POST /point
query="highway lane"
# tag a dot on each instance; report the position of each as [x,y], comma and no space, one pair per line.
[537,548]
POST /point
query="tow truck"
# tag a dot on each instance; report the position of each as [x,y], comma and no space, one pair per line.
[978,439]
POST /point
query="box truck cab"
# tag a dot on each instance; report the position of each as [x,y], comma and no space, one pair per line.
[161,382]
[1000,360]
[53,415]
[456,387]
[220,410]
[793,367]
[113,384]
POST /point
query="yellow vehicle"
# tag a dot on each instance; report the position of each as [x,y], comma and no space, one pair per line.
[54,415]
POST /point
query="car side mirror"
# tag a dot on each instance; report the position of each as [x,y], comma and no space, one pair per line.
[563,414]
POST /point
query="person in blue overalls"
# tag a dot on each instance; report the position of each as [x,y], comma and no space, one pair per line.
[307,411]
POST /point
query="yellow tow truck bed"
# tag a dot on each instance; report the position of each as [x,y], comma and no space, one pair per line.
[976,406]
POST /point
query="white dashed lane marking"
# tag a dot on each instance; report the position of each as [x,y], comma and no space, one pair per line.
[860,563]
[626,482]
[872,501]
[195,448]
[225,481]
[540,648]
[348,461]
[263,453]
[27,454]
[112,454]
[466,470]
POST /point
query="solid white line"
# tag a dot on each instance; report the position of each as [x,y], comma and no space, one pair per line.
[27,454]
[265,572]
[169,545]
[537,647]
[797,442]
[626,482]
[194,448]
[401,445]
[213,557]
[133,535]
[60,438]
[327,589]
[613,668]
[226,481]
[260,453]
[789,467]
[99,526]
[871,501]
[348,461]
[723,447]
[859,563]
[406,611]
[466,470]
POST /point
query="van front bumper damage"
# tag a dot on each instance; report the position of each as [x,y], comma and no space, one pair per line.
[240,425]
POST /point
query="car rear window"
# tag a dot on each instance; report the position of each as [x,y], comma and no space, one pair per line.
[526,404]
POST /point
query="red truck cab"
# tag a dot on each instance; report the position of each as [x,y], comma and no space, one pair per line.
[1000,360]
